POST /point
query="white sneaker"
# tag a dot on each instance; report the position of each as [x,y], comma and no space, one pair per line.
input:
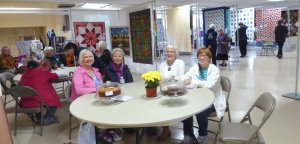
[188,140]
[202,139]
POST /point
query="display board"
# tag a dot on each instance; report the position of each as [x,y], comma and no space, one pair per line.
[140,27]
[293,21]
[265,22]
[120,38]
[88,34]
[23,47]
[246,16]
[216,16]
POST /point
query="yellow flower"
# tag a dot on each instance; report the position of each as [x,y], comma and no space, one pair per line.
[152,78]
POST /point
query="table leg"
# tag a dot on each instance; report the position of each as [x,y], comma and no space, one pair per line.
[138,137]
[137,131]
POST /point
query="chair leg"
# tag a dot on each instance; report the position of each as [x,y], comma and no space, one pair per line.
[42,123]
[229,116]
[4,102]
[70,126]
[15,133]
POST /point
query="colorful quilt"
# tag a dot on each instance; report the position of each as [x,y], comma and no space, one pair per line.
[88,34]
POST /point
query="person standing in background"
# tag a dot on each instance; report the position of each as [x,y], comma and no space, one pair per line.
[281,32]
[222,49]
[241,37]
[210,41]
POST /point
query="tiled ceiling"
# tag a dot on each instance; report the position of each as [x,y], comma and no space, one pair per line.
[169,3]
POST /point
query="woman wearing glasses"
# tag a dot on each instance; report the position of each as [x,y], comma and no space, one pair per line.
[204,75]
[171,67]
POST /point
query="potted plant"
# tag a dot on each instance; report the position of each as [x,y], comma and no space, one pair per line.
[152,81]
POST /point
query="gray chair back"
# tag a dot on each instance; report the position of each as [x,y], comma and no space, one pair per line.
[265,102]
[67,91]
[23,91]
[4,77]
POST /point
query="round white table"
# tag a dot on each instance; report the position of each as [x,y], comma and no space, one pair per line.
[140,111]
[59,71]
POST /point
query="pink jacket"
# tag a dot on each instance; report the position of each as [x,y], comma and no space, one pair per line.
[82,83]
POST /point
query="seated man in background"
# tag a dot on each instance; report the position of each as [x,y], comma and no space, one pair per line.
[41,81]
[50,61]
[7,62]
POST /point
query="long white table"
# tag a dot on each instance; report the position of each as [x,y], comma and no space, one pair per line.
[139,111]
[59,71]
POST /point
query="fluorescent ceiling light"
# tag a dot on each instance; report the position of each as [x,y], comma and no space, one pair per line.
[275,0]
[94,5]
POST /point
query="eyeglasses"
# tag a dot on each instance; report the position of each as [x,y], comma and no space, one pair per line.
[203,56]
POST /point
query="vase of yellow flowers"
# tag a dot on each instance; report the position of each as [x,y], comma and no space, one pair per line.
[152,81]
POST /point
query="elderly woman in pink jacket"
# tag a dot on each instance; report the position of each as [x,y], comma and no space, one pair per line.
[85,78]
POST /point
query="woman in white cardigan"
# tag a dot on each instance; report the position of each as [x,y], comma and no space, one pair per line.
[171,67]
[204,75]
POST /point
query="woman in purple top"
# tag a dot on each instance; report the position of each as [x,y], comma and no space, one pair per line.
[85,78]
[117,70]
[222,48]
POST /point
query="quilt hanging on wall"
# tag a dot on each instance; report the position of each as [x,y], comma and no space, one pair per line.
[215,16]
[88,34]
[120,38]
[140,27]
[265,22]
[246,16]
[293,20]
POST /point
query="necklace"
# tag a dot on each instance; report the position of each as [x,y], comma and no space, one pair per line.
[170,66]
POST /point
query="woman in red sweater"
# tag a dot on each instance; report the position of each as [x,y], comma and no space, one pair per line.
[40,80]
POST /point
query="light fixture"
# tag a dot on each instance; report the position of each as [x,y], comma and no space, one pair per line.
[94,5]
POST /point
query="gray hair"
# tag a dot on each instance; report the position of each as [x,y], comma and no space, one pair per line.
[47,49]
[117,50]
[213,26]
[174,49]
[102,45]
[81,55]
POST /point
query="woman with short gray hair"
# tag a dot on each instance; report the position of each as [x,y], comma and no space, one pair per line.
[169,68]
[117,71]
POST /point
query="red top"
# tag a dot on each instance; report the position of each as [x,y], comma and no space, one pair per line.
[40,80]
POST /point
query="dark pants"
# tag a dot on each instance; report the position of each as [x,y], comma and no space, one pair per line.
[214,57]
[202,119]
[280,45]
[243,47]
[49,114]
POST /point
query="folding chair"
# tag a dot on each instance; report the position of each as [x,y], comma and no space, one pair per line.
[249,133]
[67,92]
[226,87]
[266,48]
[4,78]
[27,92]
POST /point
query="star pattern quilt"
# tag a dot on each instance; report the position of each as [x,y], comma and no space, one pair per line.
[88,34]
